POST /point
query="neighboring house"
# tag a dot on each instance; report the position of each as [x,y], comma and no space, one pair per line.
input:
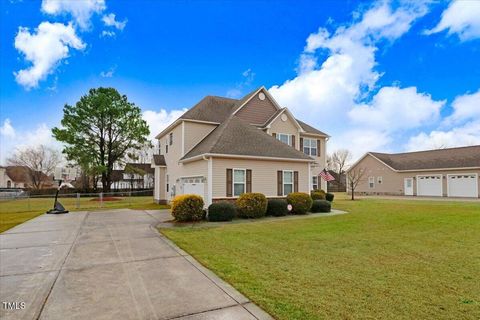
[133,176]
[450,172]
[223,147]
[18,177]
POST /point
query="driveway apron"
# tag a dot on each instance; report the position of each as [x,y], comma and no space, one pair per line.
[108,265]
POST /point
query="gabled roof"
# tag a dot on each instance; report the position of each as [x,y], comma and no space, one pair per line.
[236,137]
[462,157]
[450,158]
[211,109]
[309,129]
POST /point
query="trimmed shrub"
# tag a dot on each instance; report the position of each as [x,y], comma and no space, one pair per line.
[329,197]
[277,207]
[221,211]
[318,194]
[301,202]
[251,205]
[321,206]
[187,207]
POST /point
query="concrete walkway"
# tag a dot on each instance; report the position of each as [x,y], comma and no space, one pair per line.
[108,265]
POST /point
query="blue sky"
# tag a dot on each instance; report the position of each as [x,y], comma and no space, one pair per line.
[381,75]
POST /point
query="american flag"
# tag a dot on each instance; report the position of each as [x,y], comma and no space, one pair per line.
[326,175]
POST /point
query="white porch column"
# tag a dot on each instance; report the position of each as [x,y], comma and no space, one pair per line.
[209,181]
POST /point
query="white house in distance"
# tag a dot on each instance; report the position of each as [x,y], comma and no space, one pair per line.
[223,147]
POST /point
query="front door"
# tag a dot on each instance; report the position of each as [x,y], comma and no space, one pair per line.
[408,186]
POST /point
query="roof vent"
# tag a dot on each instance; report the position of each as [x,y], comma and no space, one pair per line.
[261,96]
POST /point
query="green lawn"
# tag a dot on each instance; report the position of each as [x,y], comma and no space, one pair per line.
[14,212]
[386,259]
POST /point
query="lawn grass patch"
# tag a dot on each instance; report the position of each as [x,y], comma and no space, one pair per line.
[385,259]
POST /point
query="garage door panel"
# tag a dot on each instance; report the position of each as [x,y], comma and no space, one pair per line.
[463,185]
[429,186]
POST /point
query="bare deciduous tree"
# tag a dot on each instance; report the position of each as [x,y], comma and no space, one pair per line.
[354,177]
[339,160]
[39,162]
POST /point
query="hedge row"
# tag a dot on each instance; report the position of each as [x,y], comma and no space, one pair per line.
[189,207]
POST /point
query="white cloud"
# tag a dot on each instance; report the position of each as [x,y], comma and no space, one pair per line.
[80,10]
[330,94]
[106,34]
[109,20]
[12,139]
[468,134]
[7,130]
[44,48]
[394,108]
[109,73]
[461,18]
[465,107]
[157,121]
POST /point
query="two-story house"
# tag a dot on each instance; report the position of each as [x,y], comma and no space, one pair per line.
[222,147]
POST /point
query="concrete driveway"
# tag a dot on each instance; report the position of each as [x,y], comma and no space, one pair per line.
[108,265]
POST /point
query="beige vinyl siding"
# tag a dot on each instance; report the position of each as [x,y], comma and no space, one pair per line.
[264,175]
[287,127]
[393,182]
[257,111]
[195,132]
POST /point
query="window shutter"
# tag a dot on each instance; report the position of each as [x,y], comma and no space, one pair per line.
[295,181]
[249,180]
[229,182]
[301,144]
[293,141]
[274,135]
[318,147]
[279,183]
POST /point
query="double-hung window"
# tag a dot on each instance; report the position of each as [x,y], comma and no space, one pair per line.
[170,138]
[371,182]
[239,180]
[287,182]
[310,146]
[285,138]
[315,183]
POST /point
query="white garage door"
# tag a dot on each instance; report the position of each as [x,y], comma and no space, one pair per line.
[194,188]
[429,185]
[462,185]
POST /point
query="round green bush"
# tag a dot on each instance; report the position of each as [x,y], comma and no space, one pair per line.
[301,202]
[318,194]
[321,206]
[187,207]
[221,211]
[329,196]
[277,207]
[251,205]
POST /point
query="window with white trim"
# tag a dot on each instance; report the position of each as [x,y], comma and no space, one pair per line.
[315,183]
[310,146]
[167,184]
[170,138]
[239,181]
[380,180]
[371,182]
[287,182]
[285,138]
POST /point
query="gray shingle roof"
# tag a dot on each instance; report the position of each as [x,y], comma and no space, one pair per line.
[236,137]
[310,129]
[461,157]
[211,108]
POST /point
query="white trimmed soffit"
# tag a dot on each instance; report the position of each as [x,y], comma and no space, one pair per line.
[178,121]
[238,156]
[265,91]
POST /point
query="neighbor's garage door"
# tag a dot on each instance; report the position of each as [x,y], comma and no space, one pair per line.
[462,185]
[429,185]
[194,188]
